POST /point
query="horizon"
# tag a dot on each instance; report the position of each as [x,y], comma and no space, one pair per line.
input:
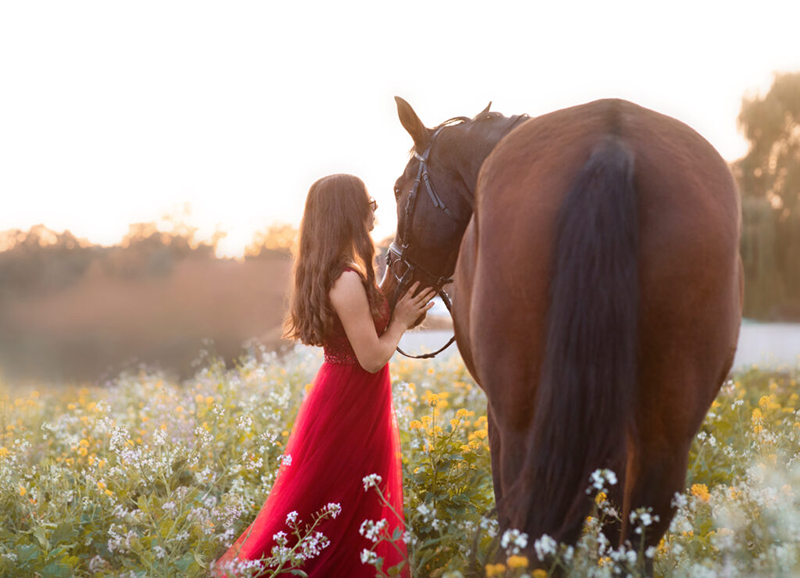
[116,115]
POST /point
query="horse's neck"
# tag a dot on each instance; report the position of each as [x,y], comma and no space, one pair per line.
[471,161]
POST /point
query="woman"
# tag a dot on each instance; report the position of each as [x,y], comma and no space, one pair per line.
[345,429]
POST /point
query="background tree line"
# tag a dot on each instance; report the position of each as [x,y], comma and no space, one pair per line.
[71,310]
[769,180]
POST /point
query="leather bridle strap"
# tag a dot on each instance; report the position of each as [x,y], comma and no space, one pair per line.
[401,253]
[449,305]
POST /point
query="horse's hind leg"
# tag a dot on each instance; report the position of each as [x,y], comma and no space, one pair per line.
[656,472]
[671,409]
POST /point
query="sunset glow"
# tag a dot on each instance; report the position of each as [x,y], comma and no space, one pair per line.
[118,113]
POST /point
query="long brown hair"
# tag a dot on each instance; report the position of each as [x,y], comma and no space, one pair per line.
[333,235]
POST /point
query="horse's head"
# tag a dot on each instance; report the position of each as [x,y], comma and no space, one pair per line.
[435,195]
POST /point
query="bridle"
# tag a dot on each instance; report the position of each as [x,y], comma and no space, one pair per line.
[400,254]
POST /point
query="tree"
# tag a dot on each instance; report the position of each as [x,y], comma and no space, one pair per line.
[277,239]
[769,178]
[771,168]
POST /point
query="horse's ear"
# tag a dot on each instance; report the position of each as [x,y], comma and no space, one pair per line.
[485,110]
[412,124]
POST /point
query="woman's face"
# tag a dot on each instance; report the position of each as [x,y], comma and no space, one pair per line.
[373,206]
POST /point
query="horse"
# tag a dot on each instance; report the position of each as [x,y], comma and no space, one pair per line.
[598,291]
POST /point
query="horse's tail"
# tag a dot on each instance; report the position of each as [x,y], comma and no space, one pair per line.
[586,392]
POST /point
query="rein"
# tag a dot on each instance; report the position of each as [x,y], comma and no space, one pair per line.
[399,254]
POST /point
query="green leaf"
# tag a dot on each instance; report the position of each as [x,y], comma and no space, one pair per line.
[56,569]
[26,553]
[184,563]
[199,559]
[41,536]
[64,532]
[297,572]
[165,527]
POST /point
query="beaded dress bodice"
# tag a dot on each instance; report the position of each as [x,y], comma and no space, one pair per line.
[337,348]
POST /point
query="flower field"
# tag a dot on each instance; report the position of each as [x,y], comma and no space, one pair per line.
[148,477]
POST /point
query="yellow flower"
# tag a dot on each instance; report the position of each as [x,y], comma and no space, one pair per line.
[179,409]
[415,424]
[209,400]
[4,452]
[495,569]
[701,491]
[199,398]
[430,371]
[604,561]
[22,491]
[84,443]
[461,414]
[109,493]
[82,451]
[101,485]
[600,498]
[517,562]
[454,422]
[539,573]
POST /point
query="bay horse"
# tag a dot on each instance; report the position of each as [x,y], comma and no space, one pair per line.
[598,292]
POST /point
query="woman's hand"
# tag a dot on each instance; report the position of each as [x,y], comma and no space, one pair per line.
[409,308]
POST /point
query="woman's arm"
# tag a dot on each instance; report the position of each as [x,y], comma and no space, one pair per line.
[349,300]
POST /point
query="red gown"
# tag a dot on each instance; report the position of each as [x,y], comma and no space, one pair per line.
[345,430]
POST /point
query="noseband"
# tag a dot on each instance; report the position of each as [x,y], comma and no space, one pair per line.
[400,254]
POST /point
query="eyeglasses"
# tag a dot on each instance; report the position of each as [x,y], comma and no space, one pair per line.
[373,204]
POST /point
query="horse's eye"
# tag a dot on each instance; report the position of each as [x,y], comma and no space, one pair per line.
[397,192]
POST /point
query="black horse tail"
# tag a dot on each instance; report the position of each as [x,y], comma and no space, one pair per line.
[584,404]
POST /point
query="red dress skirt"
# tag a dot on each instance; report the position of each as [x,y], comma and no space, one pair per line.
[345,430]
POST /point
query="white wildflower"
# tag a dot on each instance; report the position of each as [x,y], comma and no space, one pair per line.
[368,557]
[544,546]
[514,540]
[372,530]
[333,509]
[371,481]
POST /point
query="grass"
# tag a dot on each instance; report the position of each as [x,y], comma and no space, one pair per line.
[148,477]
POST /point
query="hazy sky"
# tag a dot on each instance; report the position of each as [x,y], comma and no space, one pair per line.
[112,112]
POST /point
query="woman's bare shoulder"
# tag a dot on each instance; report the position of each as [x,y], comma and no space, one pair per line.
[347,288]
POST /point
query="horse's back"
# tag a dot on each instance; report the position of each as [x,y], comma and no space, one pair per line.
[689,219]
